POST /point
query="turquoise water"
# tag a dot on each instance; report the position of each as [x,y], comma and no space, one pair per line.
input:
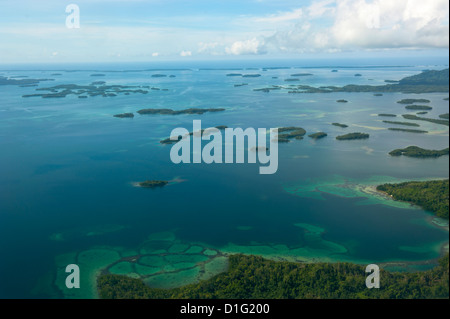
[67,168]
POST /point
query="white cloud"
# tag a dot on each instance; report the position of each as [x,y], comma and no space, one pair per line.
[155,54]
[253,46]
[364,24]
[281,17]
[185,53]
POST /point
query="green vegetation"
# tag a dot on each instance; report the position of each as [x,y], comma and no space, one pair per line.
[418,118]
[425,82]
[95,89]
[412,101]
[153,184]
[172,112]
[444,116]
[353,136]
[430,195]
[422,113]
[318,135]
[402,123]
[415,151]
[253,277]
[302,74]
[378,94]
[418,107]
[340,125]
[21,82]
[407,130]
[251,75]
[387,115]
[292,132]
[342,101]
[124,115]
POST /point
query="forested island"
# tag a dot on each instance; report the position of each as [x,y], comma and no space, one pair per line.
[407,130]
[415,151]
[412,101]
[418,118]
[340,125]
[318,135]
[289,133]
[153,184]
[387,115]
[124,115]
[353,136]
[402,123]
[172,112]
[432,196]
[253,277]
[418,107]
[425,82]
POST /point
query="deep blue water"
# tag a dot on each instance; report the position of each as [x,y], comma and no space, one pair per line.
[68,164]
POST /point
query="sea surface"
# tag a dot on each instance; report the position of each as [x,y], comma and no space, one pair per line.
[67,169]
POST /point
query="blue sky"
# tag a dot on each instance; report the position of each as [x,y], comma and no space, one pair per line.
[151,30]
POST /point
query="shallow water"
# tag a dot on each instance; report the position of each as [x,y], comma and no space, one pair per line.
[68,167]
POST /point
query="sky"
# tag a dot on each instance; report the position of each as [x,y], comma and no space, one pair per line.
[152,30]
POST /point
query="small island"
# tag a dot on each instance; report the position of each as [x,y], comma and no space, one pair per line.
[153,184]
[342,101]
[172,112]
[402,123]
[124,115]
[443,116]
[415,151]
[412,101]
[387,115]
[407,130]
[353,136]
[318,135]
[340,125]
[418,118]
[418,107]
[301,74]
[292,132]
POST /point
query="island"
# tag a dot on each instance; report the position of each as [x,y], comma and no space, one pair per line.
[418,107]
[432,196]
[418,118]
[415,151]
[357,74]
[302,74]
[251,75]
[153,184]
[378,94]
[443,116]
[342,101]
[123,115]
[412,101]
[178,138]
[198,111]
[353,136]
[425,82]
[291,132]
[318,135]
[340,125]
[159,75]
[402,123]
[255,277]
[407,130]
[422,113]
[387,115]
[95,89]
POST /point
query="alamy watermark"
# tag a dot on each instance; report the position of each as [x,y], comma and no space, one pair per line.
[212,152]
[373,280]
[73,19]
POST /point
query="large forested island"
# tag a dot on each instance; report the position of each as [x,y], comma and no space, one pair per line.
[415,151]
[425,82]
[430,195]
[253,277]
